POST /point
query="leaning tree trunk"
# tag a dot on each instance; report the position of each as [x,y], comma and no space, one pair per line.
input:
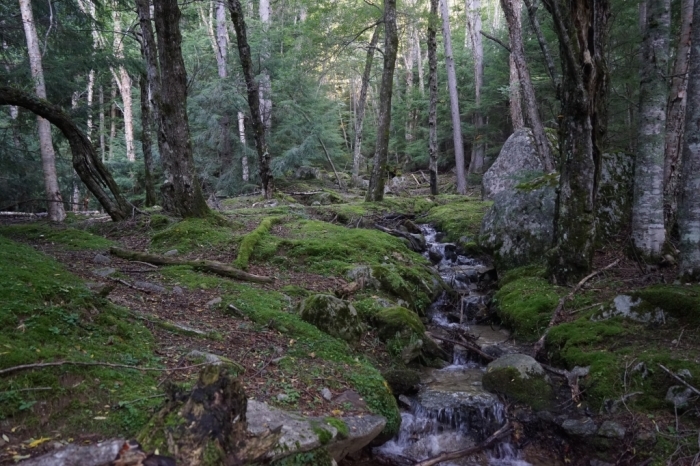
[375,192]
[361,104]
[85,162]
[454,99]
[675,116]
[648,232]
[528,90]
[689,200]
[580,27]
[239,25]
[433,86]
[181,191]
[48,158]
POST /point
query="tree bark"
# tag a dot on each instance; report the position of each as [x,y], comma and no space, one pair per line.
[239,25]
[265,86]
[689,201]
[454,99]
[581,28]
[55,207]
[101,129]
[528,91]
[225,146]
[123,80]
[531,6]
[361,105]
[675,116]
[147,142]
[245,171]
[474,35]
[85,162]
[375,192]
[181,192]
[648,232]
[516,106]
[433,87]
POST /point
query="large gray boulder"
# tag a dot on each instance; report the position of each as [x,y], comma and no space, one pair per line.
[333,316]
[516,161]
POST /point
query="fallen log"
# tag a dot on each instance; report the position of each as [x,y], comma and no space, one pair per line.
[453,455]
[218,268]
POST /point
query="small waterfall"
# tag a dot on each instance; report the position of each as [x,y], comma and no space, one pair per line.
[452,411]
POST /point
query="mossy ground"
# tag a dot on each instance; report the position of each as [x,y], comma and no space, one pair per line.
[70,238]
[459,216]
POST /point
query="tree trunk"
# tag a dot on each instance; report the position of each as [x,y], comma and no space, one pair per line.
[102,124]
[112,120]
[239,25]
[85,162]
[689,201]
[648,232]
[675,118]
[474,35]
[265,84]
[361,104]
[516,106]
[518,55]
[531,6]
[245,171]
[55,207]
[433,87]
[454,99]
[375,192]
[581,28]
[225,150]
[147,142]
[181,191]
[123,80]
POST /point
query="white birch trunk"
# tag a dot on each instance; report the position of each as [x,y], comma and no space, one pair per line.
[101,129]
[265,84]
[648,231]
[244,158]
[55,207]
[516,106]
[477,48]
[123,80]
[454,100]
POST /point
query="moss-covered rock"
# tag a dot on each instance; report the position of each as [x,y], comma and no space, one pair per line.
[520,378]
[526,305]
[458,218]
[402,381]
[334,316]
[398,320]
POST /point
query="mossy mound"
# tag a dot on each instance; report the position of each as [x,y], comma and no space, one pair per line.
[526,305]
[70,238]
[332,315]
[252,239]
[402,381]
[458,218]
[679,301]
[194,233]
[398,320]
[521,379]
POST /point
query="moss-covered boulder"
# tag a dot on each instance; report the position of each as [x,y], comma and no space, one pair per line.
[520,378]
[405,336]
[334,316]
[398,320]
[402,381]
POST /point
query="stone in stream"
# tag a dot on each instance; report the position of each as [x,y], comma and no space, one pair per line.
[334,316]
[520,378]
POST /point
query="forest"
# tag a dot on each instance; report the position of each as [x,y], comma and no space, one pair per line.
[350,232]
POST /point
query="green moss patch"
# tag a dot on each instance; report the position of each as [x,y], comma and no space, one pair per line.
[679,301]
[393,320]
[194,233]
[533,391]
[458,218]
[252,239]
[526,305]
[70,238]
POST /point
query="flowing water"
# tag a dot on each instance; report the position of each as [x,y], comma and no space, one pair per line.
[452,411]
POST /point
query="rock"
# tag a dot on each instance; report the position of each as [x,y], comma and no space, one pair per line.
[307,173]
[579,427]
[678,396]
[195,355]
[398,321]
[333,316]
[282,397]
[101,260]
[178,290]
[98,454]
[214,302]
[631,308]
[171,253]
[326,394]
[614,206]
[611,429]
[299,434]
[520,378]
[104,272]
[435,256]
[402,381]
[363,276]
[152,287]
[517,159]
[353,398]
[326,198]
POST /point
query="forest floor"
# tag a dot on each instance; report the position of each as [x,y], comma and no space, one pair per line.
[141,315]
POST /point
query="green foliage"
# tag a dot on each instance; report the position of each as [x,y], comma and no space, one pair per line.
[458,218]
[68,237]
[252,239]
[340,426]
[526,305]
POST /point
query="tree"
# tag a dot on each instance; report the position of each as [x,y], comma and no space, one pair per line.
[48,158]
[433,87]
[474,39]
[85,162]
[648,231]
[580,27]
[254,104]
[689,200]
[518,55]
[361,105]
[167,79]
[375,191]
[454,99]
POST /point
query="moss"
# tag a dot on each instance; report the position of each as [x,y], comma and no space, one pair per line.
[533,391]
[407,283]
[681,302]
[339,425]
[192,234]
[158,221]
[532,271]
[526,305]
[318,457]
[459,218]
[70,238]
[324,436]
[252,239]
[393,320]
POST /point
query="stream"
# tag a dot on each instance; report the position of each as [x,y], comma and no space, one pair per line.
[451,410]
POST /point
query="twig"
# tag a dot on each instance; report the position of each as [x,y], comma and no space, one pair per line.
[145,263]
[469,346]
[467,451]
[125,283]
[106,364]
[560,307]
[693,389]
[575,311]
[496,40]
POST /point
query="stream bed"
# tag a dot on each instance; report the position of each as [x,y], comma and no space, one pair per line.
[451,410]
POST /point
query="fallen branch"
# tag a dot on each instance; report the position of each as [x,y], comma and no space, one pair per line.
[692,389]
[218,268]
[105,364]
[560,307]
[453,455]
[127,284]
[469,346]
[415,244]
